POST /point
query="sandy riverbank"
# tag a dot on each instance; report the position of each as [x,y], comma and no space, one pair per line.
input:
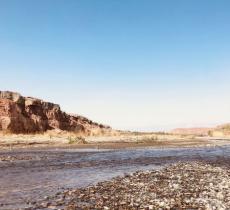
[105,142]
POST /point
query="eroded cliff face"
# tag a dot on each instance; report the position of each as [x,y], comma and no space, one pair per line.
[20,114]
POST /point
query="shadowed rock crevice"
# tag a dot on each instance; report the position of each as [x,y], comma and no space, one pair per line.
[20,114]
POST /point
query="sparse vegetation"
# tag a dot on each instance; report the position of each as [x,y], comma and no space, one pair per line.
[226,127]
[210,133]
[76,140]
[148,139]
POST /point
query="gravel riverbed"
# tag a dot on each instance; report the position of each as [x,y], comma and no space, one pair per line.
[184,185]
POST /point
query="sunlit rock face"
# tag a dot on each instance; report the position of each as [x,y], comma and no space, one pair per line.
[20,114]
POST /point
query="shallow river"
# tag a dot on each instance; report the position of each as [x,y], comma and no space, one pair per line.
[35,174]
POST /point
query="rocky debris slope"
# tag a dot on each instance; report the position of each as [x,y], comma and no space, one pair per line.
[20,114]
[192,185]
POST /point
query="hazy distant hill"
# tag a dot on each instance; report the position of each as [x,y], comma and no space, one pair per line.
[192,131]
[221,131]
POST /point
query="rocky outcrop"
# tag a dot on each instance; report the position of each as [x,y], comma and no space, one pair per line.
[20,114]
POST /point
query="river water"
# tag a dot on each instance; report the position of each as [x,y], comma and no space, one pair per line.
[34,174]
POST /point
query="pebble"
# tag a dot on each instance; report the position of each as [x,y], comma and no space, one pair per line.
[184,185]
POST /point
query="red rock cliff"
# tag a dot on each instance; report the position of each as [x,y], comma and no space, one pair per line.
[20,114]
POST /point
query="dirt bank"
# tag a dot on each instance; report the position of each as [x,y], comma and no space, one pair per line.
[9,142]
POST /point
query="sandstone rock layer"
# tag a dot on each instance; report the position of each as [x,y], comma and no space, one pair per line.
[20,114]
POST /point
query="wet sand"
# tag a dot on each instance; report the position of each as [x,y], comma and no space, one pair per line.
[29,176]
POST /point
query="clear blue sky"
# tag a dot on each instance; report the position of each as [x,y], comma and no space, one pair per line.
[147,64]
